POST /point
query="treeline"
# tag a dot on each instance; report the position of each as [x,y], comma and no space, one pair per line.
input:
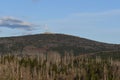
[53,66]
[115,55]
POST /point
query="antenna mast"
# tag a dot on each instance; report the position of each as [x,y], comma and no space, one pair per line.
[46,28]
[47,31]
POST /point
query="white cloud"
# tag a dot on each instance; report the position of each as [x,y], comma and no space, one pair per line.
[94,19]
[104,13]
[14,23]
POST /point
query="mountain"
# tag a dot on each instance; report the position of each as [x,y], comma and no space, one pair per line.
[42,43]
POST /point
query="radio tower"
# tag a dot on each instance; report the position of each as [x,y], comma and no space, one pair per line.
[47,31]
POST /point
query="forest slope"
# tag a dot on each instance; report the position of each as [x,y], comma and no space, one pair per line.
[42,43]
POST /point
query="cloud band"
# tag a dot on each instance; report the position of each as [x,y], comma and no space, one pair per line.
[14,23]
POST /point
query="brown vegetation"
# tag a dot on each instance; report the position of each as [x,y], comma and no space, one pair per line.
[56,67]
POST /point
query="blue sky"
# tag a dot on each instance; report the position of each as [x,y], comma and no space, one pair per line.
[93,19]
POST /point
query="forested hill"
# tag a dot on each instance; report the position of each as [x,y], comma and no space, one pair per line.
[42,43]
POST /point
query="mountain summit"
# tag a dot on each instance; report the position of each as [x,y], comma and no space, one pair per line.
[42,43]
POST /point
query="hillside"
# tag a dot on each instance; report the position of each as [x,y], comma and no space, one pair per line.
[42,43]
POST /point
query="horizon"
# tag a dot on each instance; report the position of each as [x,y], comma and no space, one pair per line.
[95,20]
[14,36]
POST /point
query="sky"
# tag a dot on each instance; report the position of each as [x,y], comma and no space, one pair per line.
[93,19]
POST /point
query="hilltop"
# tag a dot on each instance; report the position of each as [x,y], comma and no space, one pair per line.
[42,43]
